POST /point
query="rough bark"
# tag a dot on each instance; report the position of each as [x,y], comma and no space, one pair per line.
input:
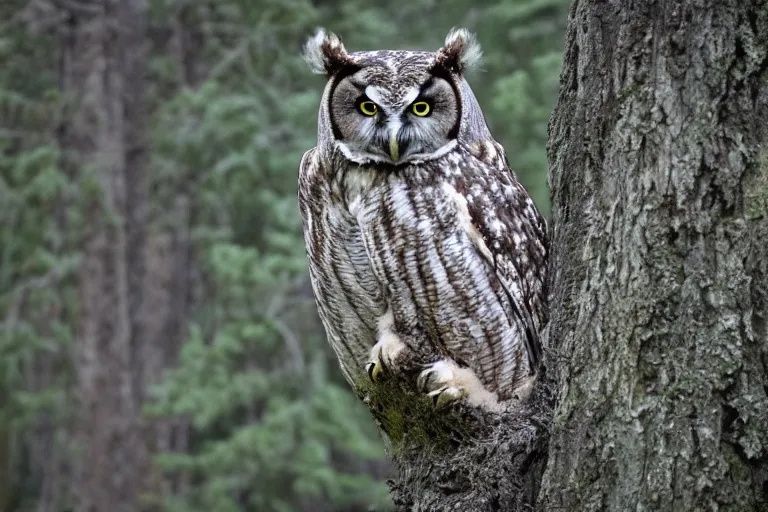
[468,460]
[659,178]
[105,72]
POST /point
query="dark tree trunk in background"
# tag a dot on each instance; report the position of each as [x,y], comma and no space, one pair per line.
[5,463]
[659,177]
[170,252]
[658,350]
[104,70]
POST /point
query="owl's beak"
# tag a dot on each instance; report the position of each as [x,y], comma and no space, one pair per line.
[394,150]
[394,147]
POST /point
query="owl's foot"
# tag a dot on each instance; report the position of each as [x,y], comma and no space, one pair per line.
[386,350]
[383,355]
[438,383]
[445,382]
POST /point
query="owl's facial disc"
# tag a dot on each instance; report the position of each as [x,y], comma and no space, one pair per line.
[394,124]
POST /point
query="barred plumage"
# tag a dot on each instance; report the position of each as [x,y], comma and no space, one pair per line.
[418,236]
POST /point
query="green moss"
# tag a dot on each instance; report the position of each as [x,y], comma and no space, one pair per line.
[410,419]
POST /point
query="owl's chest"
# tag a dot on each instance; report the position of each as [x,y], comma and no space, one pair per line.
[378,228]
[412,233]
[398,211]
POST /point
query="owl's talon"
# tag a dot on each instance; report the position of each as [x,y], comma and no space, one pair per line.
[383,355]
[374,371]
[423,381]
[445,396]
[438,382]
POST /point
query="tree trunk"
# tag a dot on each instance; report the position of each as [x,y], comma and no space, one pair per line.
[5,462]
[105,72]
[659,178]
[170,254]
[659,276]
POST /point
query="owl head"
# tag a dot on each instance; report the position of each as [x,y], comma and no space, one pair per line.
[393,106]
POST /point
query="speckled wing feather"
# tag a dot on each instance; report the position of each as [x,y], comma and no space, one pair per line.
[519,251]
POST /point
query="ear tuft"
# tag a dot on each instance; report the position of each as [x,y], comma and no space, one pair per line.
[325,53]
[461,51]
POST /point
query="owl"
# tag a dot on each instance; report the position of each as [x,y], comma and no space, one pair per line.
[422,245]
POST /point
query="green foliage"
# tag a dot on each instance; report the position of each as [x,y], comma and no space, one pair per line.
[269,435]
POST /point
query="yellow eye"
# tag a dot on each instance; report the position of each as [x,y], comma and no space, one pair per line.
[367,107]
[420,108]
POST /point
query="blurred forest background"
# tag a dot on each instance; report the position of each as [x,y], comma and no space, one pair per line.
[159,347]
